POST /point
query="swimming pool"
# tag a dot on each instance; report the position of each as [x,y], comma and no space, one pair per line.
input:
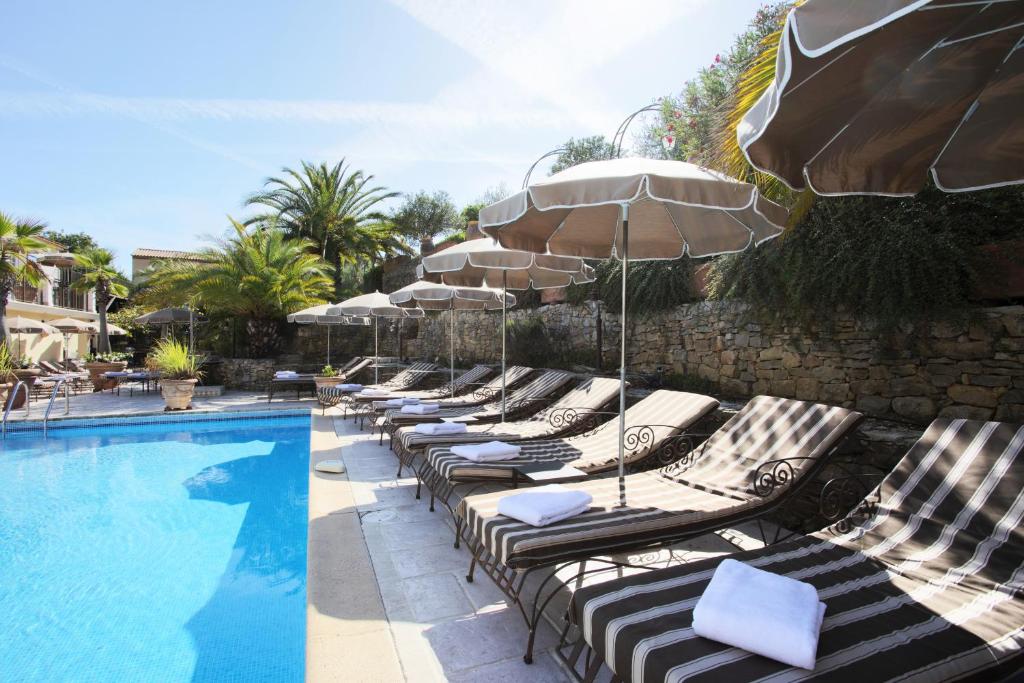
[155,552]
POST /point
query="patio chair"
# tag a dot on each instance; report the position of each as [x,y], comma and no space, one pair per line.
[367,406]
[526,400]
[661,424]
[921,582]
[750,466]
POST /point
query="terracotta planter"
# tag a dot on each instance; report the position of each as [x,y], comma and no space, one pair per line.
[326,381]
[177,393]
[27,376]
[96,370]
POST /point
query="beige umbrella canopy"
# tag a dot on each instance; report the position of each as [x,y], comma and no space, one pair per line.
[676,209]
[485,262]
[19,325]
[317,315]
[441,297]
[68,327]
[374,305]
[869,97]
[634,208]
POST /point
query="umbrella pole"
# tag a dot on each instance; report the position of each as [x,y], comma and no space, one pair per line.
[451,351]
[328,344]
[504,328]
[622,360]
[191,333]
[376,358]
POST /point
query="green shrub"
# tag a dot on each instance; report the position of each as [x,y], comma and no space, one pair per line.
[692,383]
[651,286]
[6,364]
[172,360]
[328,371]
[532,343]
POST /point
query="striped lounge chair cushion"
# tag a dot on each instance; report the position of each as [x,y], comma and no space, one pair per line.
[463,382]
[598,450]
[357,368]
[408,377]
[544,385]
[675,501]
[588,397]
[515,374]
[927,589]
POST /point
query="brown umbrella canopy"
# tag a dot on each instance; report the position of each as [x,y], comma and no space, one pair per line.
[869,97]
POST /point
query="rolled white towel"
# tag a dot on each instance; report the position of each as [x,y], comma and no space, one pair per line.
[350,387]
[492,451]
[438,428]
[545,505]
[761,612]
[421,409]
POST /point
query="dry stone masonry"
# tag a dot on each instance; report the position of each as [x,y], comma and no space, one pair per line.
[971,369]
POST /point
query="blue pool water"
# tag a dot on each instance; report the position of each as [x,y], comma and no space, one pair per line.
[159,552]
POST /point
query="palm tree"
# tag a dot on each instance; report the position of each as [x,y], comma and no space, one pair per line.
[99,274]
[337,209]
[259,273]
[18,239]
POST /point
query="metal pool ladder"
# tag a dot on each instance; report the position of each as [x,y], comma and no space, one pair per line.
[61,382]
[10,403]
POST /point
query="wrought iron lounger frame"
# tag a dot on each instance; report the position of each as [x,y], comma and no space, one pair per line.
[637,437]
[843,500]
[769,477]
[365,409]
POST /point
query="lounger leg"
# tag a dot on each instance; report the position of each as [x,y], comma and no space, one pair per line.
[472,564]
[458,532]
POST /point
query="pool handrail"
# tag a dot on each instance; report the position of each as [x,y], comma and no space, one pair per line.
[61,381]
[10,403]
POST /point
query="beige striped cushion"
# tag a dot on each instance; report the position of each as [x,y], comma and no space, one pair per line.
[927,589]
[544,385]
[661,504]
[668,411]
[585,399]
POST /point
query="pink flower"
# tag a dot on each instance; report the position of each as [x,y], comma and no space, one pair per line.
[671,126]
[676,114]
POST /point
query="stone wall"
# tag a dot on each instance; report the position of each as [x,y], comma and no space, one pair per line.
[249,374]
[971,369]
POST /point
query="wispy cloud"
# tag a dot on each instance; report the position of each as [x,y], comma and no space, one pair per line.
[158,109]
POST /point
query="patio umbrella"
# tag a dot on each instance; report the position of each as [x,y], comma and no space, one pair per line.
[68,327]
[317,315]
[485,262]
[436,296]
[18,325]
[172,316]
[376,306]
[639,208]
[870,97]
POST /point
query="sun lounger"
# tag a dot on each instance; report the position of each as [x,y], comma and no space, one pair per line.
[406,379]
[368,406]
[747,468]
[923,583]
[526,400]
[660,424]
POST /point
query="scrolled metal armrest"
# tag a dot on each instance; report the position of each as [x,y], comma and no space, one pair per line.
[577,420]
[486,394]
[847,502]
[775,474]
[524,402]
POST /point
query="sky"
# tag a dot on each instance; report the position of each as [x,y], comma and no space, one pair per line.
[146,124]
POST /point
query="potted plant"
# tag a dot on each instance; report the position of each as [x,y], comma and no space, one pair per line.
[7,378]
[328,377]
[179,373]
[100,363]
[24,372]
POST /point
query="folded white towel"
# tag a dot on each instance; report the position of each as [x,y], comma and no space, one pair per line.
[370,391]
[286,373]
[437,428]
[761,612]
[399,402]
[410,401]
[350,387]
[421,409]
[545,505]
[492,451]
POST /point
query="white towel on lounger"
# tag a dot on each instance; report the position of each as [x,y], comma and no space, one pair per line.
[761,612]
[370,392]
[545,505]
[284,374]
[438,428]
[421,409]
[350,387]
[399,402]
[492,451]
